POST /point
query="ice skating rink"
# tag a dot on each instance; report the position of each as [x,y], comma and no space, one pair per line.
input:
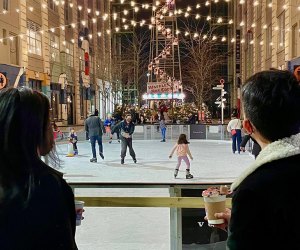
[141,228]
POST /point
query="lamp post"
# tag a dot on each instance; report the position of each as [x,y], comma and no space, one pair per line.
[220,101]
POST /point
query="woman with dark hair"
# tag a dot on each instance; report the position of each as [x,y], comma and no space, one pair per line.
[36,205]
[265,195]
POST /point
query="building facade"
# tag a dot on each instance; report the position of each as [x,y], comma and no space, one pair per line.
[63,49]
[270,32]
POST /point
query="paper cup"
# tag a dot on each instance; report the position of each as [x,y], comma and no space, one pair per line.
[79,211]
[214,205]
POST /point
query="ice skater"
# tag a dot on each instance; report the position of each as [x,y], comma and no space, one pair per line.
[73,139]
[182,151]
[126,128]
[109,122]
[163,129]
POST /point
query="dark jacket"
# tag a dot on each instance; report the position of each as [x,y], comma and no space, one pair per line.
[126,128]
[47,222]
[255,148]
[94,126]
[264,204]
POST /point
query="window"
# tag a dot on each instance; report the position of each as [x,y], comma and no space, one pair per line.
[54,48]
[269,42]
[68,12]
[34,38]
[81,60]
[13,46]
[5,5]
[281,31]
[70,54]
[259,10]
[258,52]
[53,5]
[4,35]
[294,40]
[35,85]
[91,64]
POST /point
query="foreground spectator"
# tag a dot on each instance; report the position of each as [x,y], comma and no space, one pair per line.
[36,205]
[265,195]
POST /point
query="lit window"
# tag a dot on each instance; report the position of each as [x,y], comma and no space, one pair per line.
[34,38]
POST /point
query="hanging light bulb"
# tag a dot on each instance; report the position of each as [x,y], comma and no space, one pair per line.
[230,21]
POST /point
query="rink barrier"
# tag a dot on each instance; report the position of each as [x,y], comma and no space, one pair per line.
[175,202]
[152,132]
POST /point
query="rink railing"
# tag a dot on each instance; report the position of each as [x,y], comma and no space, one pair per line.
[193,131]
[153,132]
[175,202]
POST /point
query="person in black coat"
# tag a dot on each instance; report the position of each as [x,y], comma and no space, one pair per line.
[255,148]
[265,196]
[36,204]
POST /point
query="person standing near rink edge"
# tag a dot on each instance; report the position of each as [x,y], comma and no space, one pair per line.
[126,128]
[94,126]
[37,207]
[264,211]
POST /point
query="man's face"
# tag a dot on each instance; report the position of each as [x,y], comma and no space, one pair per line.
[128,118]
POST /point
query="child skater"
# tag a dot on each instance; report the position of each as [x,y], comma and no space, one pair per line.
[73,139]
[182,150]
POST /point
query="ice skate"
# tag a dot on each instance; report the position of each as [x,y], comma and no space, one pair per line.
[175,173]
[188,175]
[93,160]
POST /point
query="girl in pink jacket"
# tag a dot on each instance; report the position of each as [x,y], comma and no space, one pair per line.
[182,150]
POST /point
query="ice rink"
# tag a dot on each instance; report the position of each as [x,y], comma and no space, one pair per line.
[141,228]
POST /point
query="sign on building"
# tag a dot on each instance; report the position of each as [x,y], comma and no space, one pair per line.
[163,87]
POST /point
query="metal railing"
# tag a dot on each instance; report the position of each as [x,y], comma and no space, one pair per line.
[153,132]
[175,202]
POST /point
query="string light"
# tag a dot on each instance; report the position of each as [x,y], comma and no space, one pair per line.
[141,23]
